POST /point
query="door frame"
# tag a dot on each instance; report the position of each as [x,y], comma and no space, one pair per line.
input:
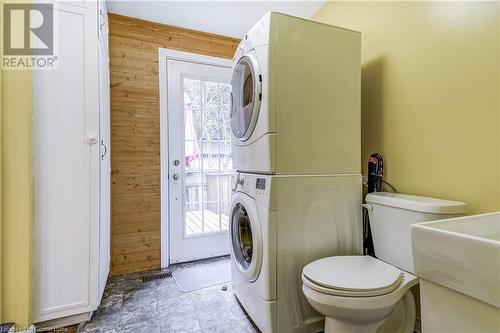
[163,56]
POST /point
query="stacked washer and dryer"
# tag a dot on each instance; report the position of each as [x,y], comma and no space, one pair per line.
[297,194]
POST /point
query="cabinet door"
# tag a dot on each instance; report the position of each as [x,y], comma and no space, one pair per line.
[105,150]
[66,170]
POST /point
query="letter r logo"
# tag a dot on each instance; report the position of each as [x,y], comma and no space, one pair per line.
[28,29]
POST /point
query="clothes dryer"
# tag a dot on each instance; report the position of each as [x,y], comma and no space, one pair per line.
[296,98]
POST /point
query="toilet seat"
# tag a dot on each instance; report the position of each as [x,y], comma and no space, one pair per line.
[352,276]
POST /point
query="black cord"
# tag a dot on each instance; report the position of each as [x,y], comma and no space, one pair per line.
[390,185]
[367,236]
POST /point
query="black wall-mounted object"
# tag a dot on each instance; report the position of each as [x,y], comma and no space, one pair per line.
[375,174]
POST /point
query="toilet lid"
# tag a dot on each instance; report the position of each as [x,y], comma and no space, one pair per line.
[356,275]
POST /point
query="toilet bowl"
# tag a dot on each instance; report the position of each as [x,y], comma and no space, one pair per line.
[360,294]
[366,294]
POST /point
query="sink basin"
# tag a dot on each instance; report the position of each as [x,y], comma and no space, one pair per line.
[462,254]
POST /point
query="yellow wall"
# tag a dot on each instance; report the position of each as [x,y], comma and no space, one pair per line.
[430,94]
[1,219]
[498,97]
[16,196]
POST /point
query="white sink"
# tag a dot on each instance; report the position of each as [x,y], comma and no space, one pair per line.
[462,254]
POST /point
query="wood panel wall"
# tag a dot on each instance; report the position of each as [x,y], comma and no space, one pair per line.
[135,130]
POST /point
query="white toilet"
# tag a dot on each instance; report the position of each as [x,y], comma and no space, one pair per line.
[366,294]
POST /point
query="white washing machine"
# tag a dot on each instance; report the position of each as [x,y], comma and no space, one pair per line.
[296,98]
[278,225]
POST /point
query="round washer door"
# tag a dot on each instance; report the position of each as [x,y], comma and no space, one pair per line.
[246,93]
[246,236]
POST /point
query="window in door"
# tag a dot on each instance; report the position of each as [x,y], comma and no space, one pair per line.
[207,156]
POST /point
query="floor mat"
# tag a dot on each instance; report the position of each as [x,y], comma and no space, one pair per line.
[191,278]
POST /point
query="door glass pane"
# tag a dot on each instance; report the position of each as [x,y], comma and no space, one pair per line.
[207,156]
[242,84]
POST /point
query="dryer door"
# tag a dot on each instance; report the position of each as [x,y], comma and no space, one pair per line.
[246,94]
[246,236]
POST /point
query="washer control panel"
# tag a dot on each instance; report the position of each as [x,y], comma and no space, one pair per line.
[260,184]
[251,184]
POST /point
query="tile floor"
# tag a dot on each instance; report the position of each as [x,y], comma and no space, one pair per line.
[130,305]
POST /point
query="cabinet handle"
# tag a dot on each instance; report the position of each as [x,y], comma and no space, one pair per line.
[104,19]
[105,150]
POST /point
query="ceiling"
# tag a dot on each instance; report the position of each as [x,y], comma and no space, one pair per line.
[229,18]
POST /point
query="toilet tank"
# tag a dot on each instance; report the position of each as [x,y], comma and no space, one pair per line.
[391,215]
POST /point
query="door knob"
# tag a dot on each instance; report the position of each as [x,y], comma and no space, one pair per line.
[92,139]
[176,176]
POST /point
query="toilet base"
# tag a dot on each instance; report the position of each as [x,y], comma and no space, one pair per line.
[400,320]
[335,326]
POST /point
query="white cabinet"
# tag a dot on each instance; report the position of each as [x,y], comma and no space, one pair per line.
[105,149]
[71,180]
